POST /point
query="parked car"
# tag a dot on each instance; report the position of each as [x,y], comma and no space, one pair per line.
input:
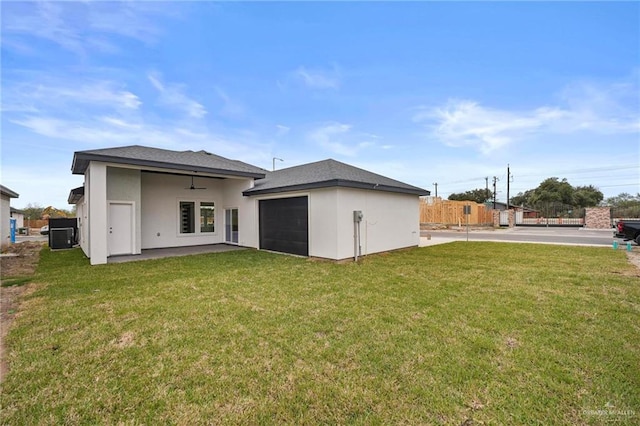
[44,230]
[628,230]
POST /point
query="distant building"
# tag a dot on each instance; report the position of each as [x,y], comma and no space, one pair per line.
[527,212]
[18,215]
[6,195]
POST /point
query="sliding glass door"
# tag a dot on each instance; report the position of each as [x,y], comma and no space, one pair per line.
[231,226]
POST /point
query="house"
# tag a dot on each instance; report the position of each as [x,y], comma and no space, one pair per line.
[136,198]
[526,211]
[18,215]
[5,213]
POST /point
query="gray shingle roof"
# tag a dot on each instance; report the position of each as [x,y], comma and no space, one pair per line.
[193,161]
[328,173]
[76,195]
[9,193]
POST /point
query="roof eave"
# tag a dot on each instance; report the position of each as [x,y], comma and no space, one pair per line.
[75,195]
[337,183]
[9,193]
[81,162]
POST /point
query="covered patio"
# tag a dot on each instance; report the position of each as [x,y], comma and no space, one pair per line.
[161,253]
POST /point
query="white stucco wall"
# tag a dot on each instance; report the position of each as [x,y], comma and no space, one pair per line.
[96,181]
[156,199]
[391,221]
[86,229]
[161,195]
[124,185]
[5,232]
[323,223]
[247,211]
[81,215]
[19,217]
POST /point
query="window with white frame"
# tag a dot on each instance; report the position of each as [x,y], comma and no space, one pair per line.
[207,217]
[188,211]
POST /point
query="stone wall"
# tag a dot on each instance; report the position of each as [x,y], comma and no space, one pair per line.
[597,218]
[496,218]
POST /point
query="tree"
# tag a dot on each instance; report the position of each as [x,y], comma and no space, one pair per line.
[625,205]
[479,195]
[553,190]
[522,198]
[624,199]
[33,211]
[555,197]
[587,196]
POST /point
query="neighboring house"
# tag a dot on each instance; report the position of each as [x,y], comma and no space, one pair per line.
[18,215]
[527,212]
[137,198]
[5,213]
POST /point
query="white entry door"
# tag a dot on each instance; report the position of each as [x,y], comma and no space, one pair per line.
[120,228]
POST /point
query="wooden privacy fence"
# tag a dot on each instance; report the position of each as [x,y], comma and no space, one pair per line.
[447,212]
[35,223]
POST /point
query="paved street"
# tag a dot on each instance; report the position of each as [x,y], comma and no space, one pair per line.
[568,236]
[33,237]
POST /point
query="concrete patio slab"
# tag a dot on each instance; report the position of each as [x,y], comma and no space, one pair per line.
[174,252]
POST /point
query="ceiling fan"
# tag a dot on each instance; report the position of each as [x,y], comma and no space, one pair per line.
[192,187]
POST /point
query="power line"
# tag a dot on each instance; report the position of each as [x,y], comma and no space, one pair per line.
[620,184]
[589,170]
[463,181]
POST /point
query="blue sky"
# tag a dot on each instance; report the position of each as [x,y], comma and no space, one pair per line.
[446,92]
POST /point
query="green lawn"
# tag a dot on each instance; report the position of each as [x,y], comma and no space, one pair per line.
[495,333]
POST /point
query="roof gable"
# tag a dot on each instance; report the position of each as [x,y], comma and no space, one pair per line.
[329,173]
[193,161]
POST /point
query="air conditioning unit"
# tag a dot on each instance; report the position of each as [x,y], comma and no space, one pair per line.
[60,238]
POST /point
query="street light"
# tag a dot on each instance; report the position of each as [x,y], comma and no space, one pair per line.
[274,162]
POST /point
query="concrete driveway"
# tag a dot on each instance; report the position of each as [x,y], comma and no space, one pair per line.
[563,236]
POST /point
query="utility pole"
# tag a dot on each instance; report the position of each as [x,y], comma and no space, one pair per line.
[436,185]
[495,179]
[486,189]
[508,180]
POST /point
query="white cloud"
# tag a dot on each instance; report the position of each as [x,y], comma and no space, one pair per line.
[42,20]
[108,131]
[282,130]
[80,27]
[50,93]
[82,113]
[118,122]
[318,79]
[128,19]
[95,132]
[230,107]
[173,95]
[339,139]
[466,123]
[583,107]
[29,182]
[330,138]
